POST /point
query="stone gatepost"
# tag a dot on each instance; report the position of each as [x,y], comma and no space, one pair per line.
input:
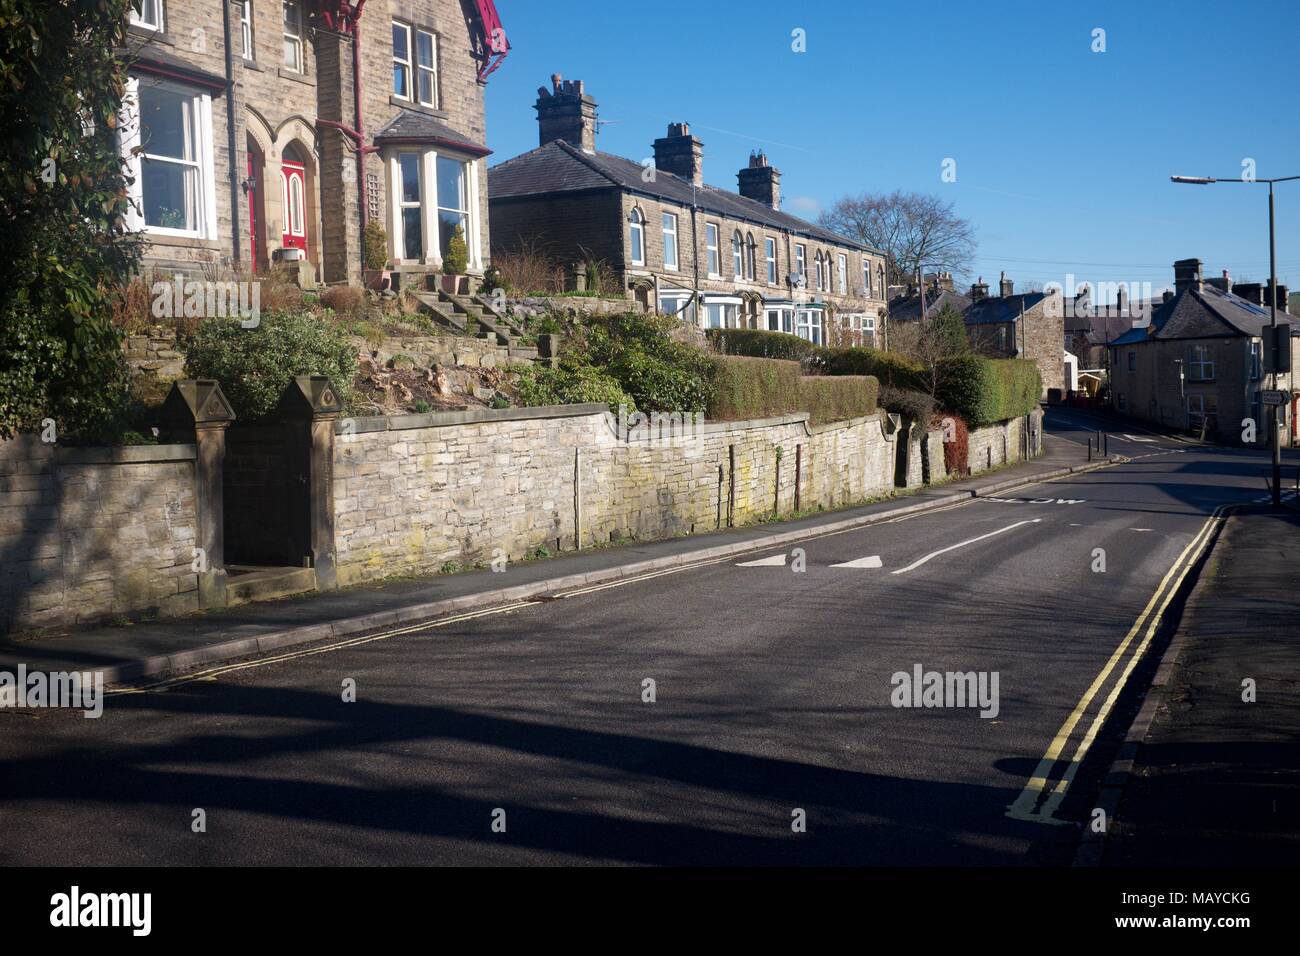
[312,403]
[196,410]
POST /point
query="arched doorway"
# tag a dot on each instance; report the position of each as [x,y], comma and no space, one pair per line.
[293,196]
[254,191]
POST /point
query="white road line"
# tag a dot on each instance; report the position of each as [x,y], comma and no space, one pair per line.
[961,544]
[871,562]
[776,561]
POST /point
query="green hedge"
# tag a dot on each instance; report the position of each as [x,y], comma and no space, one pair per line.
[889,367]
[983,390]
[758,343]
[748,388]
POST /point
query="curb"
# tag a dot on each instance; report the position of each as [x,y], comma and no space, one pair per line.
[1092,846]
[163,664]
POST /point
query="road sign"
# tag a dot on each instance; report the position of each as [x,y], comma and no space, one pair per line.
[1272,397]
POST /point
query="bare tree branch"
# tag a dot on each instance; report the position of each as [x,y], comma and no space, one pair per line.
[914,229]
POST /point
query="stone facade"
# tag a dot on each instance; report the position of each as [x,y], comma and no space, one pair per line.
[284,96]
[576,205]
[85,533]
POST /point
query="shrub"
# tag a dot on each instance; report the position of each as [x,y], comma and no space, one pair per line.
[957,451]
[746,388]
[758,343]
[344,299]
[64,245]
[915,405]
[569,383]
[375,243]
[529,268]
[456,260]
[983,390]
[494,278]
[278,292]
[254,366]
[638,351]
[891,368]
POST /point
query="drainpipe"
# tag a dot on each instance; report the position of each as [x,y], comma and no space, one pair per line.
[230,135]
[349,24]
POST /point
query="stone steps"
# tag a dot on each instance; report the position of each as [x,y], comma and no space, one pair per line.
[247,583]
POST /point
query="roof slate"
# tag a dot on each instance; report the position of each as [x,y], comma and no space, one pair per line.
[1208,312]
[560,167]
[413,126]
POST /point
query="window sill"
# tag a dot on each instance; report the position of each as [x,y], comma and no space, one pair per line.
[433,111]
[150,35]
[252,65]
[303,78]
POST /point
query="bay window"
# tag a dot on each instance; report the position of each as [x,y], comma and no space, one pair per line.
[166,137]
[810,325]
[431,195]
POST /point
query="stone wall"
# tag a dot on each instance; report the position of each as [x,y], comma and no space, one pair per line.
[414,492]
[154,351]
[87,533]
[998,444]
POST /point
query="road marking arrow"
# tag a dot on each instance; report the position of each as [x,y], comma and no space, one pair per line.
[961,544]
[871,562]
[776,561]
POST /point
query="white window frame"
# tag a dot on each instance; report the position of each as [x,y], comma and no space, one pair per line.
[205,203]
[737,254]
[1256,359]
[779,319]
[670,231]
[751,253]
[842,267]
[419,69]
[679,297]
[636,236]
[1200,359]
[405,62]
[808,325]
[801,260]
[246,29]
[866,278]
[769,254]
[138,19]
[713,252]
[300,60]
[430,204]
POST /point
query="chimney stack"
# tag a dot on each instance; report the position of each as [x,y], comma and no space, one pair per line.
[1006,287]
[1187,274]
[761,182]
[979,290]
[937,282]
[1121,300]
[680,153]
[566,112]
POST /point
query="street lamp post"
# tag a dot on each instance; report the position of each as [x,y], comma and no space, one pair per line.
[1272,284]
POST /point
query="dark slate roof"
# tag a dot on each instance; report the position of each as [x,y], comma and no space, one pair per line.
[994,310]
[560,167]
[1204,313]
[155,59]
[907,308]
[412,126]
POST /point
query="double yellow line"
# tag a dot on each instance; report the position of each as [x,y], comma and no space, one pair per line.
[1032,804]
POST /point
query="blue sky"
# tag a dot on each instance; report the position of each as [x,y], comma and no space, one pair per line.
[1063,155]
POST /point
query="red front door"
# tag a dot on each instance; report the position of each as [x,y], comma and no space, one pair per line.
[294,178]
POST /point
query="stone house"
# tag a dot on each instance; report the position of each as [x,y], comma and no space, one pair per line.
[1200,363]
[1009,325]
[717,258]
[316,116]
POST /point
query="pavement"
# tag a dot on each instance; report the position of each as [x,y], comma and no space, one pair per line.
[156,647]
[742,709]
[1215,778]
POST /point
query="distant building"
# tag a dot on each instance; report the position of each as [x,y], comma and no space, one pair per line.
[1200,363]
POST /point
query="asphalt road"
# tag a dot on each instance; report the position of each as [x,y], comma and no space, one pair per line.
[772,695]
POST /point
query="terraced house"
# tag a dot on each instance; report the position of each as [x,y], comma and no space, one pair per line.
[269,132]
[717,258]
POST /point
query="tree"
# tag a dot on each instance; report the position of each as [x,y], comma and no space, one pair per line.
[914,229]
[64,246]
[931,340]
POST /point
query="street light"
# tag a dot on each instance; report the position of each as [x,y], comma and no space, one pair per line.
[1272,284]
